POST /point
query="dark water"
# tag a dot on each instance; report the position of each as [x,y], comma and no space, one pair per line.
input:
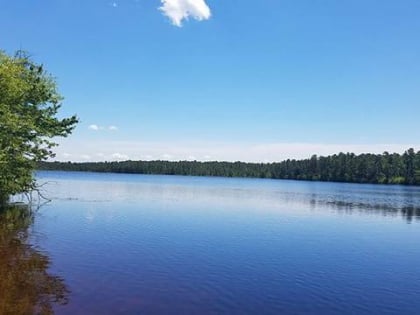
[132,244]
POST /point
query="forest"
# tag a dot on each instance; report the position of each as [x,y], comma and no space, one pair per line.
[386,168]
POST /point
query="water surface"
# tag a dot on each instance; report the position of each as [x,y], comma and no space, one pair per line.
[136,244]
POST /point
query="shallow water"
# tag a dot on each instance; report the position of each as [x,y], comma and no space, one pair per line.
[136,244]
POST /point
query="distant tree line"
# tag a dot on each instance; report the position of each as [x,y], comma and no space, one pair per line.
[383,168]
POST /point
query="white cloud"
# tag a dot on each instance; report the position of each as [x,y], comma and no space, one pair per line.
[214,151]
[85,157]
[93,127]
[178,10]
[166,156]
[119,156]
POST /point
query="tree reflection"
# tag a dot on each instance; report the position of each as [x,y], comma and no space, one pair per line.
[26,287]
[409,212]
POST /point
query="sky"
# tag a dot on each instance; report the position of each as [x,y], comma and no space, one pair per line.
[231,80]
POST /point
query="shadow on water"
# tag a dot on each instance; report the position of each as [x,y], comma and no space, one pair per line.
[26,286]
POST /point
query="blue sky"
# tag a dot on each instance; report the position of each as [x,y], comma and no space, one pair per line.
[235,80]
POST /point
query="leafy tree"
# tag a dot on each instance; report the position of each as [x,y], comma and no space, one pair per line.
[29,104]
[409,161]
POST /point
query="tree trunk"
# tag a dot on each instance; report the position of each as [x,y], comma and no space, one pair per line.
[4,200]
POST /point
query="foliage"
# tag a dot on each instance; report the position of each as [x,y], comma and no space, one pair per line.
[343,167]
[29,104]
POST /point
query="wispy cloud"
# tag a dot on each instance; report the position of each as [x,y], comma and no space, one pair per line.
[119,156]
[85,157]
[205,151]
[179,10]
[95,127]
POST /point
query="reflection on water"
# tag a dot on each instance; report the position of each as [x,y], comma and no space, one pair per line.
[132,244]
[26,287]
[384,200]
[409,213]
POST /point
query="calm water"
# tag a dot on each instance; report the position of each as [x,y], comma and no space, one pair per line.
[134,244]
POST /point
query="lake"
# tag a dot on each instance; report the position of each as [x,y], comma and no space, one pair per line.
[140,244]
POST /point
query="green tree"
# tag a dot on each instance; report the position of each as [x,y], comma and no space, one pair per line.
[409,161]
[29,104]
[417,167]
